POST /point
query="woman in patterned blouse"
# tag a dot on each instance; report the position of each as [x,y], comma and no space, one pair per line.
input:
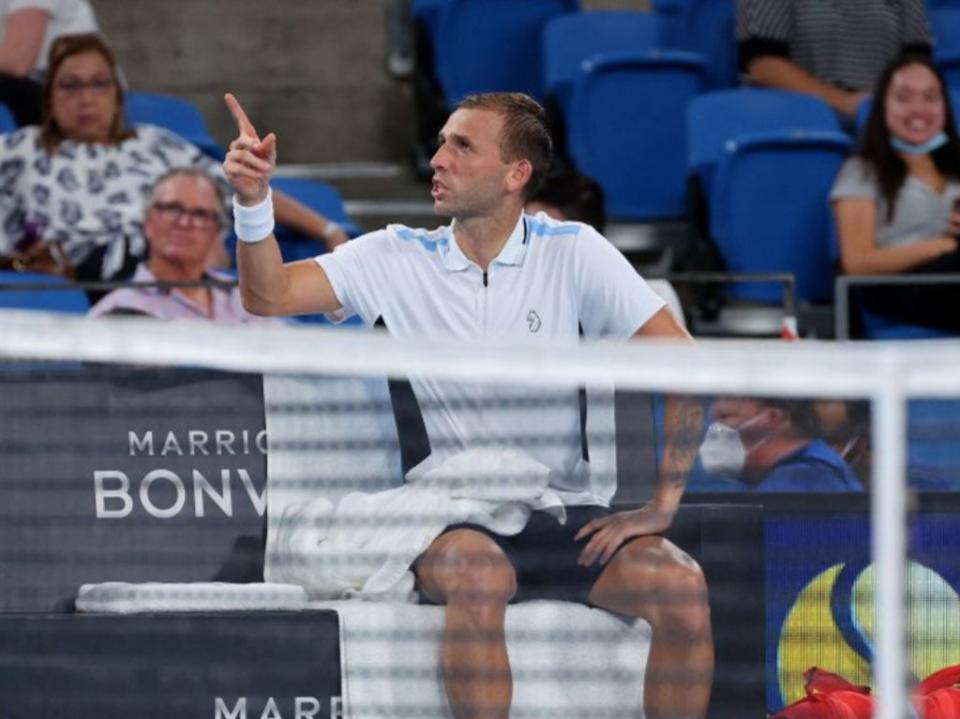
[72,191]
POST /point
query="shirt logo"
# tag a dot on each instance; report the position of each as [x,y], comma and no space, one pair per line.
[533,321]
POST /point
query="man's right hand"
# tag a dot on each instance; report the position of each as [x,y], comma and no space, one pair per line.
[250,160]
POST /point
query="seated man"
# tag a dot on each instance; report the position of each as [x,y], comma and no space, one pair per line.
[834,50]
[184,222]
[767,445]
[498,273]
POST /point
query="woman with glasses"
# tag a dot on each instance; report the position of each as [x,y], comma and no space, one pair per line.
[27,29]
[73,190]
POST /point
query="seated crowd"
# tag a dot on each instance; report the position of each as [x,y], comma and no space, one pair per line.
[85,196]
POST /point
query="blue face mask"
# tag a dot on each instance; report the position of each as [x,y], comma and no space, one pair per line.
[934,143]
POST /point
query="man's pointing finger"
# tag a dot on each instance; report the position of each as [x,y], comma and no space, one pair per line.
[243,122]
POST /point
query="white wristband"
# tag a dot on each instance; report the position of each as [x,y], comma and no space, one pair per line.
[253,224]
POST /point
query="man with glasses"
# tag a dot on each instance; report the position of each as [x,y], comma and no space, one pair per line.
[183,225]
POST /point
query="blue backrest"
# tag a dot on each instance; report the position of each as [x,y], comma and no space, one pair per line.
[706,27]
[493,45]
[32,297]
[770,209]
[715,118]
[7,123]
[571,39]
[318,196]
[173,113]
[625,129]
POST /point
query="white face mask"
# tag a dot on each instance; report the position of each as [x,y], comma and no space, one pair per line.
[723,451]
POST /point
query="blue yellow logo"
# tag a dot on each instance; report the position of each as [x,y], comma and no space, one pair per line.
[832,625]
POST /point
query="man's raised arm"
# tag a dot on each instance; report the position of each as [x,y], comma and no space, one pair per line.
[267,285]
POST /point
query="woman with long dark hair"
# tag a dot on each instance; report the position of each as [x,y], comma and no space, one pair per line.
[897,201]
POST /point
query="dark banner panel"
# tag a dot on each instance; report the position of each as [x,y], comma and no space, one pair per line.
[128,475]
[190,666]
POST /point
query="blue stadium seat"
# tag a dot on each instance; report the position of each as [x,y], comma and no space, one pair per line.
[705,27]
[945,24]
[71,299]
[770,212]
[715,118]
[175,114]
[569,40]
[625,129]
[492,45]
[7,123]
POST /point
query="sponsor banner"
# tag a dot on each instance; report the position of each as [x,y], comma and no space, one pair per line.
[122,474]
[264,665]
[820,609]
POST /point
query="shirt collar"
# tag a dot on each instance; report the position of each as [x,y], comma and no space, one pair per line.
[511,254]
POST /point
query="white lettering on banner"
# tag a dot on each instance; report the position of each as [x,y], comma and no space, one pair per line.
[141,445]
[152,509]
[201,486]
[171,445]
[336,708]
[259,501]
[114,500]
[103,494]
[239,709]
[304,708]
[199,442]
[270,710]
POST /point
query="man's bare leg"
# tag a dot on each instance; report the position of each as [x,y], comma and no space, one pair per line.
[470,574]
[651,578]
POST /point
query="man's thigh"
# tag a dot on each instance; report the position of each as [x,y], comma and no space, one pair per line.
[544,557]
[462,556]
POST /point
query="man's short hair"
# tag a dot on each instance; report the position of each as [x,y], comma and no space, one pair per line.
[222,214]
[525,134]
[803,419]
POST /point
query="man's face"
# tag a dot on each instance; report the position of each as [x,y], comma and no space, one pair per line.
[470,178]
[183,222]
[754,421]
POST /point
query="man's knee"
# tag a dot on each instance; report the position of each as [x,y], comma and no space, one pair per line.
[654,579]
[466,566]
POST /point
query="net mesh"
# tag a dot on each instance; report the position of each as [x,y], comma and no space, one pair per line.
[225,518]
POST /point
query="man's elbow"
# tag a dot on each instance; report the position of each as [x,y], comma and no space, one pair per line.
[258,305]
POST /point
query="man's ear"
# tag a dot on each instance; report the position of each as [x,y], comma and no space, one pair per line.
[519,175]
[778,417]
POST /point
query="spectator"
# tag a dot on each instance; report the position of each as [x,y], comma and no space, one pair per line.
[896,200]
[768,445]
[571,195]
[834,50]
[79,182]
[845,426]
[27,29]
[185,218]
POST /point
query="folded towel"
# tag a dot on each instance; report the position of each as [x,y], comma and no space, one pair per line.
[568,661]
[364,546]
[132,598]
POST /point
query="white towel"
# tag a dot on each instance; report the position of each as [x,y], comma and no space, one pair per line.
[364,546]
[132,598]
[568,661]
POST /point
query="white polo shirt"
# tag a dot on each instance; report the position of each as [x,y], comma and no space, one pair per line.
[549,280]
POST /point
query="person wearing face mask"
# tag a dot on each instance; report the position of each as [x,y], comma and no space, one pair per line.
[897,201]
[769,445]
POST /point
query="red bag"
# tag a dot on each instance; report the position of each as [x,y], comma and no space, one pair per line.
[829,696]
[938,696]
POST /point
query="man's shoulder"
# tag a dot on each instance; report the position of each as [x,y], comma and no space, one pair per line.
[399,238]
[542,226]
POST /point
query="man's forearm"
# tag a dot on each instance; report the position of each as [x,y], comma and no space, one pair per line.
[683,430]
[262,276]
